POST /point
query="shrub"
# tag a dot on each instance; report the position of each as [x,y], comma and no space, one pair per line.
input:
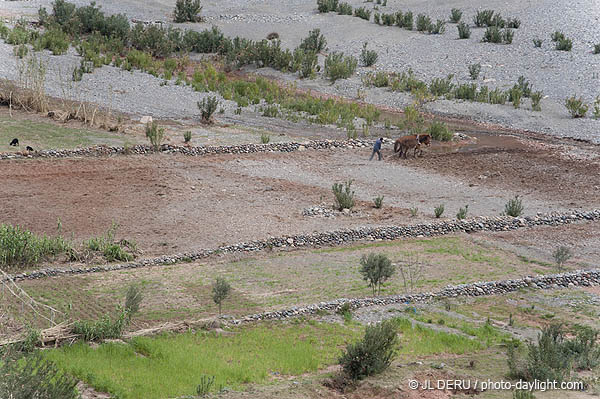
[474,70]
[133,298]
[265,138]
[376,270]
[378,201]
[561,255]
[343,195]
[187,136]
[585,348]
[466,92]
[105,328]
[220,290]
[363,13]
[577,108]
[564,44]
[537,42]
[483,18]
[155,134]
[32,376]
[54,40]
[373,354]
[344,9]
[464,31]
[524,86]
[441,86]
[308,65]
[439,131]
[557,36]
[271,111]
[514,207]
[596,48]
[408,21]
[206,383]
[513,23]
[536,98]
[314,42]
[423,22]
[21,247]
[187,10]
[414,211]
[497,96]
[462,212]
[498,21]
[377,18]
[207,107]
[492,34]
[438,28]
[455,15]
[388,19]
[339,67]
[515,96]
[21,50]
[327,5]
[368,57]
[439,211]
[596,107]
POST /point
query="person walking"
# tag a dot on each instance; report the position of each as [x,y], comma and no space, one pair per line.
[377,149]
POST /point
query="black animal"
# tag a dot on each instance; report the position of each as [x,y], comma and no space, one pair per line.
[14,142]
[29,148]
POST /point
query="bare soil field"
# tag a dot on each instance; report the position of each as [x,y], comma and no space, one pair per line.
[170,204]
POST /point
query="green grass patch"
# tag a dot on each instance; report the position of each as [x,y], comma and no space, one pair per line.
[172,365]
[41,135]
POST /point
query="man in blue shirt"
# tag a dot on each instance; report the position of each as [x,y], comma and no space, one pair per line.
[377,149]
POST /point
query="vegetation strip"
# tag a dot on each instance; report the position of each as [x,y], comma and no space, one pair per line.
[338,237]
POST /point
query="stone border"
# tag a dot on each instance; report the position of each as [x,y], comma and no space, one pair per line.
[103,151]
[334,238]
[579,278]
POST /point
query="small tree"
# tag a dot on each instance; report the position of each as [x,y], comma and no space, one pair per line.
[207,107]
[155,134]
[561,255]
[376,269]
[221,290]
[187,10]
[373,354]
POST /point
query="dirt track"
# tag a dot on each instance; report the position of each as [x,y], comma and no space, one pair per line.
[174,203]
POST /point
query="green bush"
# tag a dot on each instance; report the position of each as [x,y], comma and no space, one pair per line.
[441,86]
[339,67]
[423,22]
[378,201]
[483,18]
[105,328]
[377,18]
[265,138]
[537,42]
[187,11]
[373,354]
[407,23]
[388,19]
[513,23]
[492,34]
[206,383]
[325,6]
[314,42]
[536,98]
[464,31]
[207,107]
[564,44]
[187,136]
[20,247]
[439,211]
[439,131]
[343,195]
[474,70]
[438,28]
[32,376]
[557,36]
[155,135]
[515,96]
[455,15]
[462,212]
[514,207]
[498,96]
[466,92]
[344,9]
[368,57]
[363,13]
[507,36]
[576,106]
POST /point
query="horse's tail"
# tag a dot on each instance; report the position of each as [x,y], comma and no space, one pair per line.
[397,146]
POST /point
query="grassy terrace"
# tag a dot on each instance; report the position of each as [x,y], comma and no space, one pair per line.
[277,280]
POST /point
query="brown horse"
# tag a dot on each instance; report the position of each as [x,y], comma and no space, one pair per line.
[403,144]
